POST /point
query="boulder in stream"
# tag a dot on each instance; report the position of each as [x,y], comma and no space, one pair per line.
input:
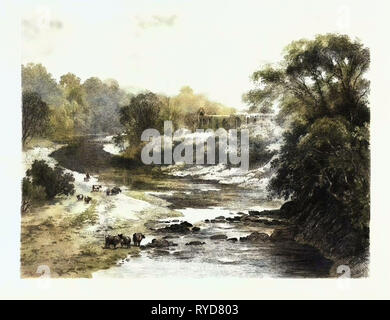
[234,219]
[195,243]
[183,227]
[160,243]
[256,237]
[218,237]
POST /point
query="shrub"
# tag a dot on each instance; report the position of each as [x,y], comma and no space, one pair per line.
[54,181]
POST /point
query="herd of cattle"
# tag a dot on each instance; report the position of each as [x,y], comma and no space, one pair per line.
[97,188]
[120,239]
[123,241]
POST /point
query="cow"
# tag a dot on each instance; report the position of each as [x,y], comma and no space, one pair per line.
[125,241]
[87,177]
[115,190]
[87,199]
[96,187]
[80,197]
[137,238]
[108,192]
[112,240]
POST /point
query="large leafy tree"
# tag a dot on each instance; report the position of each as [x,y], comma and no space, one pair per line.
[35,115]
[323,98]
[142,113]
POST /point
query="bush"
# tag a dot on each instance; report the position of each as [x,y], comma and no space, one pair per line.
[54,181]
[31,194]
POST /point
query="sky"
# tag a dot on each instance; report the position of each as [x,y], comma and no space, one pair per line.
[162,45]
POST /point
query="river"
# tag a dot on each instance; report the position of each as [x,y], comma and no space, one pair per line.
[197,200]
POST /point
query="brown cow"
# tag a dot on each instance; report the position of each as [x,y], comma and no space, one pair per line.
[125,241]
[80,197]
[112,240]
[115,190]
[87,199]
[137,238]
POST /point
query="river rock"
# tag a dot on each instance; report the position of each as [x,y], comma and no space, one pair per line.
[195,229]
[256,237]
[234,219]
[218,237]
[220,218]
[232,239]
[249,219]
[160,243]
[195,243]
[186,224]
[183,227]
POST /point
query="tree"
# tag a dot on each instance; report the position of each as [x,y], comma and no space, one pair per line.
[54,181]
[322,92]
[35,115]
[73,88]
[35,78]
[142,113]
[104,100]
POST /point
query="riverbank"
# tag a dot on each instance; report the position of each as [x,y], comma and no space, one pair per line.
[67,235]
[332,234]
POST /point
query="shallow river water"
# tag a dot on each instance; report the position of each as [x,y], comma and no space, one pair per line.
[219,258]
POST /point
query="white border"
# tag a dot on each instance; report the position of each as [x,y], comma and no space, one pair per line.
[11,286]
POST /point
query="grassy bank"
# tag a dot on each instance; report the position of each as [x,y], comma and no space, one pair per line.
[50,237]
[68,235]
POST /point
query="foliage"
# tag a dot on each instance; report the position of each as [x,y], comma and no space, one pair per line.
[322,92]
[142,113]
[76,108]
[34,116]
[183,108]
[31,194]
[35,78]
[54,181]
[94,106]
[104,100]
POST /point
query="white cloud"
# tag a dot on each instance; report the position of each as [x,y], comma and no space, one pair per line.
[156,21]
